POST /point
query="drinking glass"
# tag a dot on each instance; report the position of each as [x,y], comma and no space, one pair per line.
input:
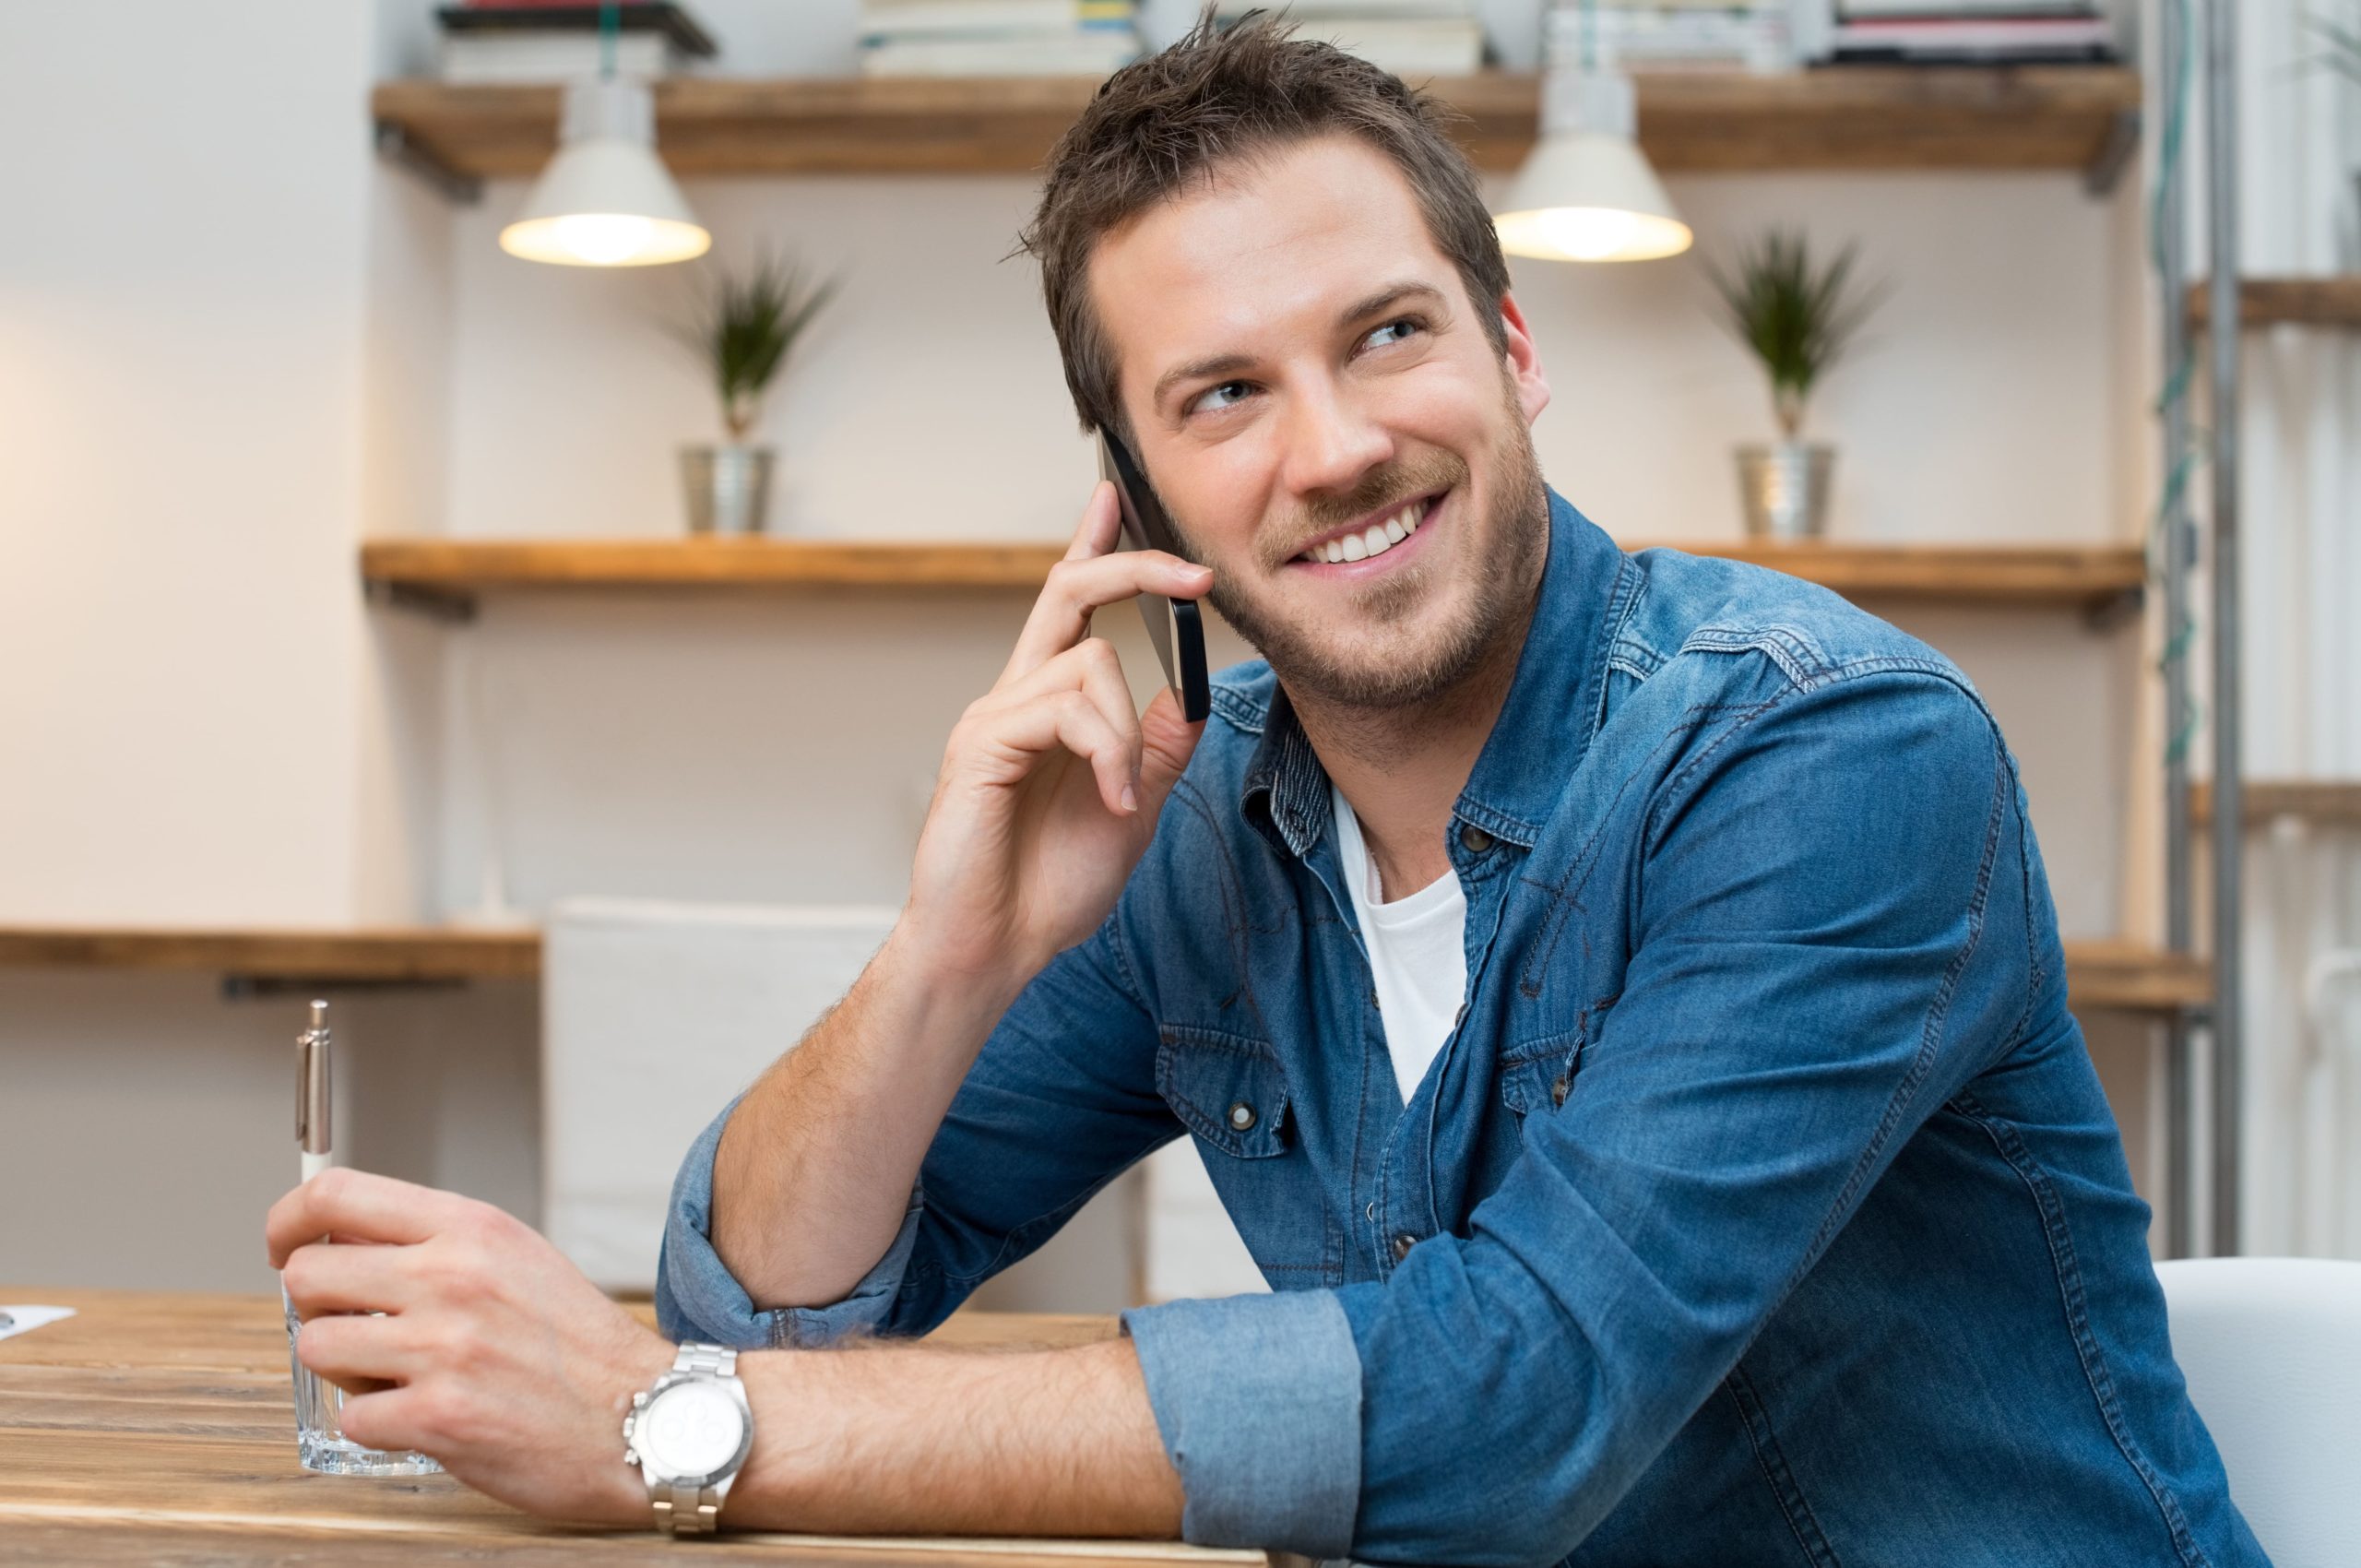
[320,1442]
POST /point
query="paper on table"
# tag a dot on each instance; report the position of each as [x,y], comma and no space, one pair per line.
[26,1319]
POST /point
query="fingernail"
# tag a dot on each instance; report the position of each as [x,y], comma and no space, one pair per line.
[1131,799]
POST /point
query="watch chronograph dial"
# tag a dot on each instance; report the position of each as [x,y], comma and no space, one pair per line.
[692,1429]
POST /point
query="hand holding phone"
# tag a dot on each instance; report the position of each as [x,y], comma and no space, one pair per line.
[1174,625]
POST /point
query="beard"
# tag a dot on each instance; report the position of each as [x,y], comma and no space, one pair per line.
[1501,543]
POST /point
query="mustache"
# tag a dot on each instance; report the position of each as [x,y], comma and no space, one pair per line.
[1378,490]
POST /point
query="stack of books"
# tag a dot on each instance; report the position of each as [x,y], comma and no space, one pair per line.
[1671,35]
[997,38]
[1971,31]
[1409,38]
[558,40]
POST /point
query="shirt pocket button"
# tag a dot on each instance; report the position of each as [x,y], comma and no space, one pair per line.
[1401,1245]
[1474,839]
[1242,1116]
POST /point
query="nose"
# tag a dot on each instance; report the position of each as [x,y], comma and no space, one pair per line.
[1330,443]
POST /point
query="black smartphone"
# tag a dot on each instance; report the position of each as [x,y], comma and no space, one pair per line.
[1173,624]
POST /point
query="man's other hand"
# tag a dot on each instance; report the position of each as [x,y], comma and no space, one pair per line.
[494,1354]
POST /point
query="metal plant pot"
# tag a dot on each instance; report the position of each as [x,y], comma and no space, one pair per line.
[728,488]
[1784,488]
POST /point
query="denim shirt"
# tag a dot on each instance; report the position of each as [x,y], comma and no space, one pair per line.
[1763,1205]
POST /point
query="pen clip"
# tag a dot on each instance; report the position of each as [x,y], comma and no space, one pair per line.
[312,1122]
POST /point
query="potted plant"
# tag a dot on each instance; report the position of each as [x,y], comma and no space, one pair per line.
[1797,318]
[743,330]
[2343,56]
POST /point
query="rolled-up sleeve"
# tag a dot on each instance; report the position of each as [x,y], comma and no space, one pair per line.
[698,1298]
[1259,1403]
[1799,997]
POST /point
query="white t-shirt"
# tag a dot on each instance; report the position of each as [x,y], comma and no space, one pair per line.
[1418,953]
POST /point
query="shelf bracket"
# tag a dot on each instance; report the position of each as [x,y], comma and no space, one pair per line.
[267,988]
[2119,608]
[436,605]
[396,147]
[2114,155]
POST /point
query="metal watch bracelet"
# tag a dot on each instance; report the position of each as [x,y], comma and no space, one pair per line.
[682,1509]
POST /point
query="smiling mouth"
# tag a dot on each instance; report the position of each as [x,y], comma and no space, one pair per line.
[1377,538]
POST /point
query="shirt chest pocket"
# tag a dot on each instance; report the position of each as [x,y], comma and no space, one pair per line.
[1232,1094]
[1538,1075]
[1228,1089]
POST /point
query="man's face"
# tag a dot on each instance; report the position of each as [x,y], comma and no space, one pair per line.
[1301,365]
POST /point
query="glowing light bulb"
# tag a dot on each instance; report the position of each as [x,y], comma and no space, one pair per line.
[603,239]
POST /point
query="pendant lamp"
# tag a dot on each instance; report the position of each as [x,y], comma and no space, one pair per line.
[606,199]
[1587,192]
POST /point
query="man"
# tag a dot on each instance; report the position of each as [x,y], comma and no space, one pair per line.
[1617,996]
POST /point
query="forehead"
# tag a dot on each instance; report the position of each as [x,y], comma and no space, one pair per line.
[1272,244]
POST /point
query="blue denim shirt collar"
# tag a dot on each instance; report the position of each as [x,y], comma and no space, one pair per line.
[1552,709]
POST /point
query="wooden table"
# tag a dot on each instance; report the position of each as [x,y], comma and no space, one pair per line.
[156,1428]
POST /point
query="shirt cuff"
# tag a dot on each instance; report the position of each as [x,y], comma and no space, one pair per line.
[698,1298]
[1258,1402]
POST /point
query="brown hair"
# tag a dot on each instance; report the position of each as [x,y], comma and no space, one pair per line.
[1219,94]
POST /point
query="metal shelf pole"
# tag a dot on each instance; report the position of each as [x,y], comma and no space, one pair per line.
[2181,1196]
[2229,816]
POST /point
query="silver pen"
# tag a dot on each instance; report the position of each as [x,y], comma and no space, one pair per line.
[312,1120]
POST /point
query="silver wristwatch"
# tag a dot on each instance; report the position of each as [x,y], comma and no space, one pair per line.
[688,1436]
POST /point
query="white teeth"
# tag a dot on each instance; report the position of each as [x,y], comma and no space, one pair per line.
[1375,540]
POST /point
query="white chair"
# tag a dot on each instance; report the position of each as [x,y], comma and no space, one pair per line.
[2271,1349]
[653,1015]
[1192,1249]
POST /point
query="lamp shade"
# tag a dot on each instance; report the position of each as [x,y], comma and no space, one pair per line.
[606,199]
[1587,192]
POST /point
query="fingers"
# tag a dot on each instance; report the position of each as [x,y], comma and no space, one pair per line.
[1167,742]
[1101,524]
[361,1352]
[323,1278]
[361,1206]
[1019,735]
[1092,667]
[397,1420]
[1094,574]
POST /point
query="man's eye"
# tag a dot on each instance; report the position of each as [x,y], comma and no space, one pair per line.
[1395,331]
[1225,395]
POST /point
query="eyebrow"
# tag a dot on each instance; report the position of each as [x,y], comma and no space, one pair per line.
[1229,364]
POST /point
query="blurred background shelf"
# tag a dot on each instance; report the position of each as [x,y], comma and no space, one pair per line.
[1857,117]
[2321,800]
[2099,974]
[367,955]
[454,571]
[2270,302]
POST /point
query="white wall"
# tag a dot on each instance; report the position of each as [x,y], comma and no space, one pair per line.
[219,731]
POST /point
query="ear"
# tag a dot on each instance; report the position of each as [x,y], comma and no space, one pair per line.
[1523,361]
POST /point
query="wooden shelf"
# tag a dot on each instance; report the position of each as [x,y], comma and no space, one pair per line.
[379,956]
[2100,974]
[2270,301]
[454,571]
[2325,800]
[2126,977]
[1853,117]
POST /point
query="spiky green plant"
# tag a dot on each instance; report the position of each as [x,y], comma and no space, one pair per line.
[744,325]
[1795,318]
[2344,53]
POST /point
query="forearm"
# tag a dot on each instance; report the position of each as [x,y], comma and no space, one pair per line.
[917,1440]
[816,1166]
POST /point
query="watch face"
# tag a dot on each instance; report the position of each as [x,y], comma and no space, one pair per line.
[691,1429]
